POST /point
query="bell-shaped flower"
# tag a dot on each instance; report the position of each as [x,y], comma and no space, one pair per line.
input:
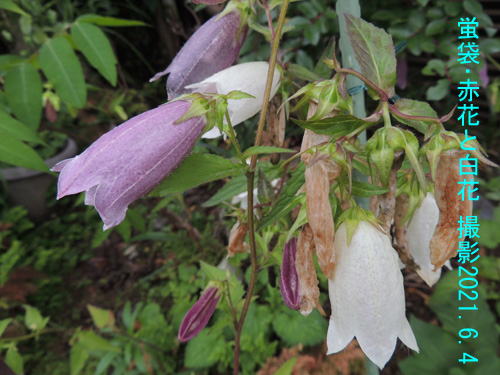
[198,316]
[130,160]
[420,231]
[289,280]
[367,296]
[212,48]
[249,78]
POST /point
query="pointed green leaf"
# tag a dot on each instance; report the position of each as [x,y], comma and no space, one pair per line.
[3,325]
[97,49]
[287,200]
[60,64]
[414,108]
[91,341]
[15,152]
[100,317]
[14,360]
[108,21]
[77,358]
[374,51]
[287,367]
[23,89]
[303,73]
[383,161]
[337,126]
[13,7]
[16,129]
[363,189]
[197,169]
[265,150]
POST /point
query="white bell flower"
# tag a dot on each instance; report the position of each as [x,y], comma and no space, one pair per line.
[367,295]
[249,78]
[420,232]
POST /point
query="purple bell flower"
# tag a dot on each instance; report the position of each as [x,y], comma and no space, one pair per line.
[130,160]
[289,280]
[212,48]
[198,316]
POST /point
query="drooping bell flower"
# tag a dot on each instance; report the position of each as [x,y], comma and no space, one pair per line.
[289,280]
[249,78]
[198,316]
[212,48]
[130,160]
[420,231]
[367,296]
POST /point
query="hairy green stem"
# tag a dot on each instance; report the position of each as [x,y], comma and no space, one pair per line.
[234,140]
[250,184]
[386,115]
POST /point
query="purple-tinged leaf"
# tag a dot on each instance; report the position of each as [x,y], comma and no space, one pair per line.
[289,280]
[198,316]
[404,109]
[374,51]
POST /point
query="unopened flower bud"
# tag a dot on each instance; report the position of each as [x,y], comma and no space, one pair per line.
[198,316]
[289,280]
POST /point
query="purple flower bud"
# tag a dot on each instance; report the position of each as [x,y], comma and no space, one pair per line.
[198,316]
[289,280]
[130,160]
[401,73]
[212,48]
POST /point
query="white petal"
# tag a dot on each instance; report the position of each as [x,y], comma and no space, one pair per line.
[406,335]
[340,332]
[420,232]
[368,287]
[249,78]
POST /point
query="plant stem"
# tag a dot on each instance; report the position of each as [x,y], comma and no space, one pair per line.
[381,93]
[234,140]
[250,183]
[385,115]
[31,335]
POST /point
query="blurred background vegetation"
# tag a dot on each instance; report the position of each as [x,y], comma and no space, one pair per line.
[124,292]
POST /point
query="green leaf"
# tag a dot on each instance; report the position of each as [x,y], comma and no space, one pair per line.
[445,303]
[198,169]
[23,89]
[287,367]
[15,152]
[212,272]
[33,319]
[337,126]
[287,200]
[100,317]
[435,27]
[235,186]
[3,325]
[490,46]
[439,350]
[434,66]
[265,150]
[363,189]
[294,328]
[321,69]
[439,91]
[374,51]
[108,21]
[90,341]
[14,360]
[97,49]
[414,108]
[303,73]
[204,350]
[77,358]
[13,7]
[16,129]
[60,64]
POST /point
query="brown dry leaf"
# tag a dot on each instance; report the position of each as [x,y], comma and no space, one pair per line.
[387,202]
[237,239]
[402,247]
[275,131]
[308,280]
[444,242]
